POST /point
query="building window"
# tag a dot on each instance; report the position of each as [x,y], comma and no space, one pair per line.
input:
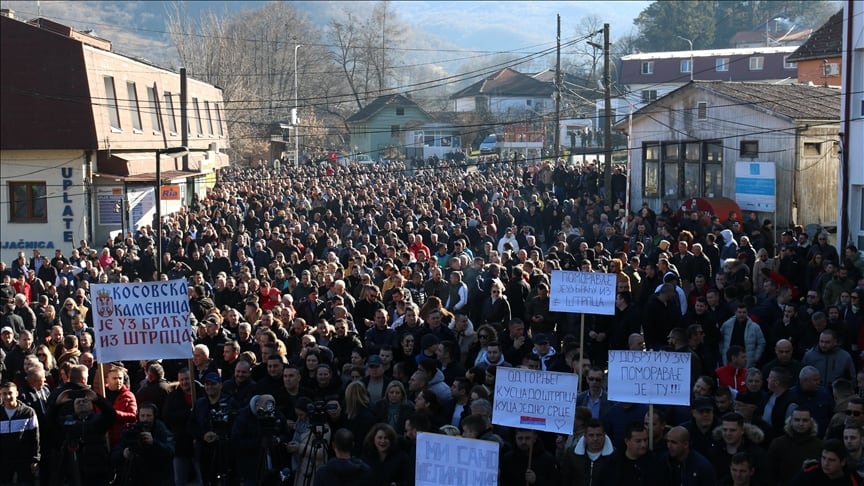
[757,63]
[154,113]
[169,113]
[198,124]
[648,67]
[649,95]
[671,170]
[702,110]
[394,131]
[651,169]
[713,152]
[218,119]
[686,66]
[111,103]
[750,148]
[713,180]
[400,111]
[134,109]
[209,118]
[27,202]
[831,69]
[721,64]
[789,65]
[812,148]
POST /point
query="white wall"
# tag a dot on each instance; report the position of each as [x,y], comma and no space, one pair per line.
[62,171]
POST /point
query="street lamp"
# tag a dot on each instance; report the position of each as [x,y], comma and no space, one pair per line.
[691,54]
[295,118]
[174,153]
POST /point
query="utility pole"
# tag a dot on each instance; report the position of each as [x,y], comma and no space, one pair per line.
[607,108]
[184,116]
[558,81]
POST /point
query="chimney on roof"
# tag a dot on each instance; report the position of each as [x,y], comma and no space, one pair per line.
[7,12]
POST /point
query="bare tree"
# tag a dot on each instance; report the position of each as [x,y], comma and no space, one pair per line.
[583,58]
[250,55]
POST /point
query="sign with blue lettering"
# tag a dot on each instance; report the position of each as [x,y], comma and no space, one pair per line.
[585,292]
[448,460]
[534,399]
[654,377]
[756,186]
[108,198]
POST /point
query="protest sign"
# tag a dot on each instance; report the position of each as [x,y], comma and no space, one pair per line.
[533,399]
[145,320]
[582,292]
[649,377]
[446,460]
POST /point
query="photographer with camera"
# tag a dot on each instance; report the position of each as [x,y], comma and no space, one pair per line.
[210,426]
[310,442]
[84,457]
[255,437]
[145,450]
[177,414]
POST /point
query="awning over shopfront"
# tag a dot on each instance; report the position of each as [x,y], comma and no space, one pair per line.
[141,166]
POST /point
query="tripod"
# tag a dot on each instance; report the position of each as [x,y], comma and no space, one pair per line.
[266,473]
[315,444]
[67,460]
[218,472]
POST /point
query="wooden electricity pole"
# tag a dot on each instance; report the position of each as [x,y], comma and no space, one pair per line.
[558,81]
[607,108]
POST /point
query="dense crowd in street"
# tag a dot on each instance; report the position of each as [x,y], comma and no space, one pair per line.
[342,309]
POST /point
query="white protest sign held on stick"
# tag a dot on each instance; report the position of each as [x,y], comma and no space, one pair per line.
[445,460]
[533,399]
[582,292]
[145,320]
[658,378]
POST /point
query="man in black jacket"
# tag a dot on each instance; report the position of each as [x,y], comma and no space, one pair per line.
[84,457]
[145,450]
[342,470]
[515,468]
[19,438]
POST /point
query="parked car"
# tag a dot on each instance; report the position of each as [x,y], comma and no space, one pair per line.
[489,145]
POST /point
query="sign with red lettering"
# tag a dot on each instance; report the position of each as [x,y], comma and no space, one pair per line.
[141,321]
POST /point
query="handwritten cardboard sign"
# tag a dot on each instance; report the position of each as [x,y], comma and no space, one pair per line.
[582,292]
[533,399]
[649,377]
[448,460]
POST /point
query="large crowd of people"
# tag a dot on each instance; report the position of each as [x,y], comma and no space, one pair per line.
[341,309]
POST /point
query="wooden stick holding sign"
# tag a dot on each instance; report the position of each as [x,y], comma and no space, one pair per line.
[530,457]
[99,380]
[581,349]
[583,293]
[191,366]
[650,426]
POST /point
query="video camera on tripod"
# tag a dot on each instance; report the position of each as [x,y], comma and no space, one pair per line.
[318,415]
[135,433]
[268,421]
[220,421]
[73,432]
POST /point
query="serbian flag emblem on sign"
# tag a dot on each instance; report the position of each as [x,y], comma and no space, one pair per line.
[523,420]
